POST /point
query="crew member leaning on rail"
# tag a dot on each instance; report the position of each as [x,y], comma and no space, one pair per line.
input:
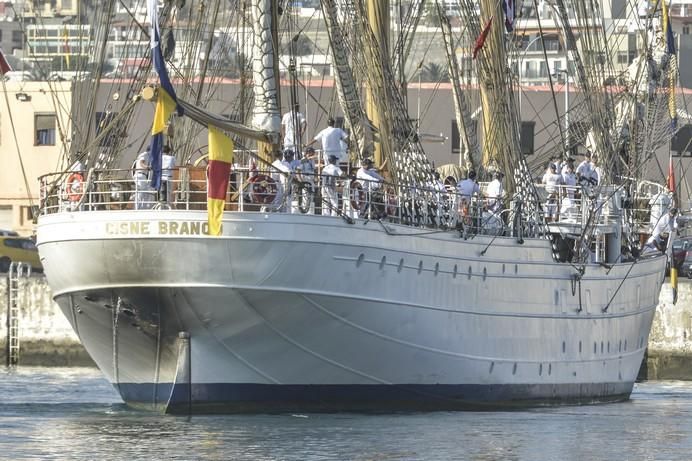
[371,181]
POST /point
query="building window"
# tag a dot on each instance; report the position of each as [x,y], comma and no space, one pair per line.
[26,215]
[681,142]
[44,127]
[17,37]
[527,137]
[685,30]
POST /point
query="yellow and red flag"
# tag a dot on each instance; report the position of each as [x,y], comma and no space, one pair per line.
[218,172]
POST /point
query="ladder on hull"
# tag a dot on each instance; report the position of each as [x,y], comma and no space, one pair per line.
[14,273]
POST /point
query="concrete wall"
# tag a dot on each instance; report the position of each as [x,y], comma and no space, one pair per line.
[47,337]
[670,344]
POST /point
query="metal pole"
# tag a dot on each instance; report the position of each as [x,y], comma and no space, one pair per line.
[567,111]
[7,323]
[520,90]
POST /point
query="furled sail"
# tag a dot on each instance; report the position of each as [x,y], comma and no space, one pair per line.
[266,115]
[347,90]
[401,148]
[462,110]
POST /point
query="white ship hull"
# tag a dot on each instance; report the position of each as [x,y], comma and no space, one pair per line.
[307,312]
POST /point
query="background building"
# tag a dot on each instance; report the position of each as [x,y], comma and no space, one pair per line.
[34,135]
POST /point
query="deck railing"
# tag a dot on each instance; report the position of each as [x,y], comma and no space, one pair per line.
[430,207]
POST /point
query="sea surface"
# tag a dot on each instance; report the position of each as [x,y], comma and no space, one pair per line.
[74,414]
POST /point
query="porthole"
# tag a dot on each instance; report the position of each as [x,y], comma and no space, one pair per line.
[360,259]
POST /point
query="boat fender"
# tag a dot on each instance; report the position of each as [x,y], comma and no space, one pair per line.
[263,189]
[74,187]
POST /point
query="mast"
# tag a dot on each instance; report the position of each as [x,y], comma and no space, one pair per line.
[378,19]
[347,90]
[490,73]
[265,68]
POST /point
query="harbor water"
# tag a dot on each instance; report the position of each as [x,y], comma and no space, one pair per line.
[74,413]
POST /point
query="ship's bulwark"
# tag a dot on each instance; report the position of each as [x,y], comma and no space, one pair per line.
[337,326]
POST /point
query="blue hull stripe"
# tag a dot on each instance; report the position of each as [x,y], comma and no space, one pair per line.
[228,397]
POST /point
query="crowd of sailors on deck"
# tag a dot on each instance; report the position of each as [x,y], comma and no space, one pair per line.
[355,192]
[303,179]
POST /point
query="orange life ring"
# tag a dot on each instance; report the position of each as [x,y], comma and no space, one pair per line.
[74,187]
[357,195]
[263,189]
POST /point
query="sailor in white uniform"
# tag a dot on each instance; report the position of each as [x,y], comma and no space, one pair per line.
[167,167]
[144,194]
[330,176]
[495,193]
[552,182]
[371,182]
[293,126]
[280,174]
[332,141]
[368,177]
[665,226]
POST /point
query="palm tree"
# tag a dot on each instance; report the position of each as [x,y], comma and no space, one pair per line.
[434,72]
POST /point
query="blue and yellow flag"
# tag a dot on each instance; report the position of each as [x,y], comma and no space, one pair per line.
[672,65]
[166,102]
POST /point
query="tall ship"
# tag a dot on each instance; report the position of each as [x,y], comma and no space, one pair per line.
[247,279]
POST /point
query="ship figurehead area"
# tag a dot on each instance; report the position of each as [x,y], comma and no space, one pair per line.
[395,298]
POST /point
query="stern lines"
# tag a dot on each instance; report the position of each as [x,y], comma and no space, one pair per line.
[363,329]
[316,354]
[282,289]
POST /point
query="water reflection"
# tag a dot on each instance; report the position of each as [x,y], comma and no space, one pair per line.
[75,414]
